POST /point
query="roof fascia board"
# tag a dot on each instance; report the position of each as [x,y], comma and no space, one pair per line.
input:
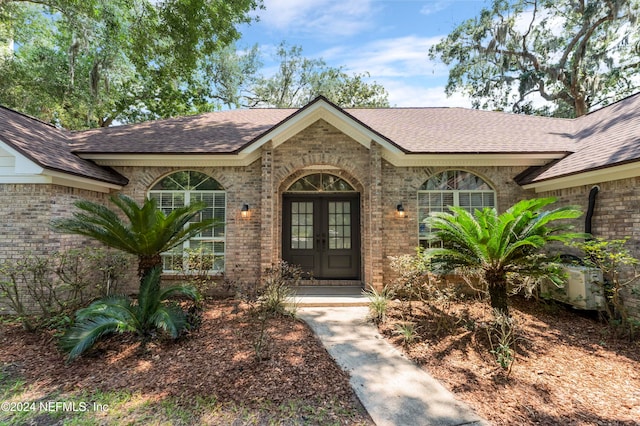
[309,115]
[180,160]
[73,181]
[470,159]
[625,171]
[23,165]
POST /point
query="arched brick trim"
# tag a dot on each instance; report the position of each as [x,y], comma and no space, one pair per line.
[293,177]
[293,170]
[212,173]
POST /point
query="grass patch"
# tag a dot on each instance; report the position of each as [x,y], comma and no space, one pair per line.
[32,405]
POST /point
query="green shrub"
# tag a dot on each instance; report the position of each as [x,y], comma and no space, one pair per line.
[408,331]
[378,303]
[37,288]
[152,311]
[620,270]
[275,295]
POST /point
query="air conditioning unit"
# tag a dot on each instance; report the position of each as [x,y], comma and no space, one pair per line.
[581,289]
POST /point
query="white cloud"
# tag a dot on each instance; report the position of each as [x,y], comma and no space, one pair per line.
[414,94]
[435,6]
[395,57]
[319,18]
[403,67]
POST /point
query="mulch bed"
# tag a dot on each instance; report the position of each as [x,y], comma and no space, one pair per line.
[569,368]
[217,360]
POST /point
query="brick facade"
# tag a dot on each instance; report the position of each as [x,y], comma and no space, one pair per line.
[27,210]
[616,216]
[401,185]
[255,243]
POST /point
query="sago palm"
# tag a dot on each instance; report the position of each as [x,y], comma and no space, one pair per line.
[146,231]
[119,314]
[498,246]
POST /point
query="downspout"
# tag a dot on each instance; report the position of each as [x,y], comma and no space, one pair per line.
[592,204]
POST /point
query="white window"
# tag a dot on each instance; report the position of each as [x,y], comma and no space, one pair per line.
[206,251]
[452,188]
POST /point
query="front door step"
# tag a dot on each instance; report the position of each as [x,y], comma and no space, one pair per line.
[329,296]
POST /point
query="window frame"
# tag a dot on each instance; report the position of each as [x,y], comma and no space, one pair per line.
[187,195]
[455,196]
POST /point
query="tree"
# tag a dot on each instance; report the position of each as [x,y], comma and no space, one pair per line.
[147,231]
[498,248]
[576,54]
[118,314]
[90,63]
[299,80]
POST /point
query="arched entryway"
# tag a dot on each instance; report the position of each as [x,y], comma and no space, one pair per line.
[321,227]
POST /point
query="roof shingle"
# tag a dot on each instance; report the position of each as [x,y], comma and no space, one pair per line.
[415,130]
[48,147]
[604,138]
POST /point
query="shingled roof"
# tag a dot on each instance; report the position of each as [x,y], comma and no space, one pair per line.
[48,147]
[604,138]
[414,130]
[222,132]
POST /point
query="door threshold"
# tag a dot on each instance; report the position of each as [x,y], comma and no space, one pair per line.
[331,283]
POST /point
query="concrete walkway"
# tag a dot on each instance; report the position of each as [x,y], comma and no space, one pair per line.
[393,390]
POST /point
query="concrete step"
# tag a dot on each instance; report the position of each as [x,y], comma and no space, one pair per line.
[318,296]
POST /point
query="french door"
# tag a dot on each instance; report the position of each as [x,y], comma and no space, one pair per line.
[321,234]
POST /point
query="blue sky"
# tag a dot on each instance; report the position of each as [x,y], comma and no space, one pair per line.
[389,39]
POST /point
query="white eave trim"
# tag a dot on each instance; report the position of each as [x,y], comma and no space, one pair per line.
[73,181]
[321,110]
[172,160]
[470,159]
[608,174]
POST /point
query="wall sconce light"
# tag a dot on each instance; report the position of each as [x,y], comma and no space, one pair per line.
[245,213]
[400,210]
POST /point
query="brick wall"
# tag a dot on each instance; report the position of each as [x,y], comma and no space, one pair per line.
[319,145]
[401,184]
[26,211]
[243,186]
[255,244]
[616,216]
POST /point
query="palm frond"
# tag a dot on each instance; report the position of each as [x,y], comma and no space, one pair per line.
[84,334]
[169,318]
[188,291]
[116,306]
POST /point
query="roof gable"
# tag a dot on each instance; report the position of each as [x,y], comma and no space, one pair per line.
[609,137]
[47,147]
[322,109]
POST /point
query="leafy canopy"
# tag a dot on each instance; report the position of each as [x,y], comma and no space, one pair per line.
[299,80]
[575,54]
[83,64]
